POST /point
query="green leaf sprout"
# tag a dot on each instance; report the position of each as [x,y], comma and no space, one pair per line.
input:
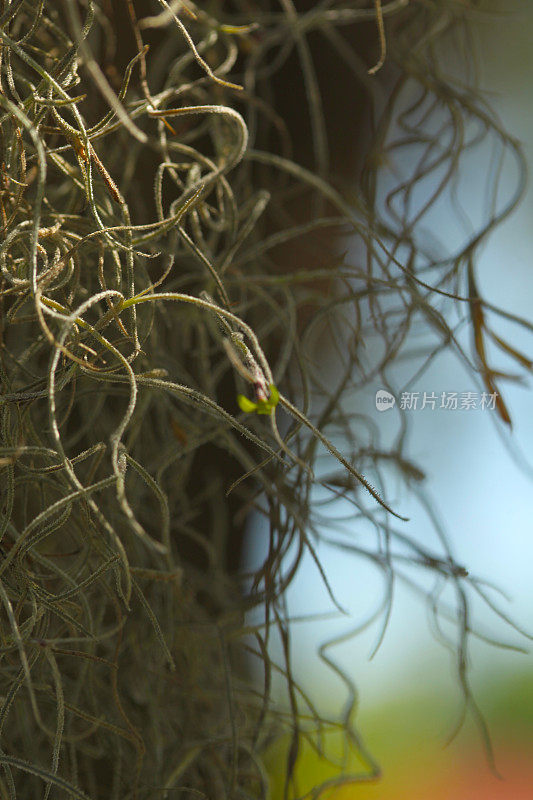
[261,406]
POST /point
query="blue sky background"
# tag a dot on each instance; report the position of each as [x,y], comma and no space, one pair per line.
[481,493]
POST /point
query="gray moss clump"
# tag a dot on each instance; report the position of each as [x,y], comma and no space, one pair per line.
[170,253]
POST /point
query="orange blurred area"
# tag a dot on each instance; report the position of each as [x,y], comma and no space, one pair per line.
[468,779]
[444,776]
[407,737]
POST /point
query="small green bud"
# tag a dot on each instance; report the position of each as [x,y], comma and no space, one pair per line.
[261,406]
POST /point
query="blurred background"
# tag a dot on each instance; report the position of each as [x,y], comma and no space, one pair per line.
[477,497]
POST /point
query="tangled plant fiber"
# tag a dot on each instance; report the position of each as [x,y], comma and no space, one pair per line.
[147,210]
